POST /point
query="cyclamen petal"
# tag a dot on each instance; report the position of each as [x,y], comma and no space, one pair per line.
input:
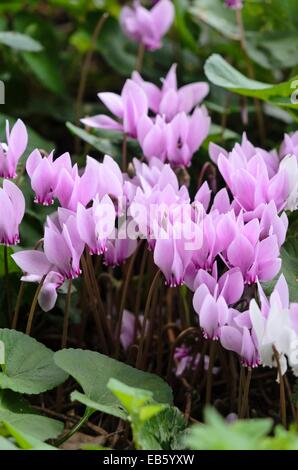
[147,26]
[11,152]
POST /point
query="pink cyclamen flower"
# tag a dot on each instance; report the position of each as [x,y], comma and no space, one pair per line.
[241,340]
[185,362]
[147,26]
[175,141]
[212,299]
[257,259]
[176,237]
[36,266]
[119,247]
[12,209]
[234,4]
[59,260]
[96,224]
[128,108]
[250,182]
[289,145]
[44,174]
[185,134]
[13,149]
[169,100]
[152,136]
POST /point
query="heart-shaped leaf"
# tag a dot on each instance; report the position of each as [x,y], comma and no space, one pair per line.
[28,365]
[15,411]
[93,371]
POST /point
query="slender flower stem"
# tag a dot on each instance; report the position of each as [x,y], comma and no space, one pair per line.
[244,406]
[33,307]
[66,316]
[123,299]
[149,335]
[85,70]
[282,393]
[18,306]
[240,392]
[99,303]
[94,308]
[212,356]
[140,57]
[146,317]
[7,285]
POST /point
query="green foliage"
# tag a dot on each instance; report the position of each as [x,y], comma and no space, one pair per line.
[19,440]
[222,74]
[29,366]
[102,144]
[251,434]
[155,426]
[93,371]
[12,267]
[16,412]
[289,256]
[19,41]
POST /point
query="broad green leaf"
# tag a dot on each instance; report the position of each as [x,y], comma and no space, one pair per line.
[101,144]
[93,371]
[29,366]
[19,41]
[16,412]
[7,444]
[27,442]
[222,74]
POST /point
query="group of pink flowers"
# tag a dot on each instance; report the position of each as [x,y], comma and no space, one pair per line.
[219,243]
[167,121]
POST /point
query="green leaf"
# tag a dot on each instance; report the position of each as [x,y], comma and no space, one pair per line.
[182,27]
[19,41]
[6,444]
[93,371]
[155,426]
[215,14]
[130,397]
[222,74]
[163,431]
[101,144]
[25,441]
[15,412]
[216,434]
[12,266]
[45,71]
[289,268]
[29,366]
